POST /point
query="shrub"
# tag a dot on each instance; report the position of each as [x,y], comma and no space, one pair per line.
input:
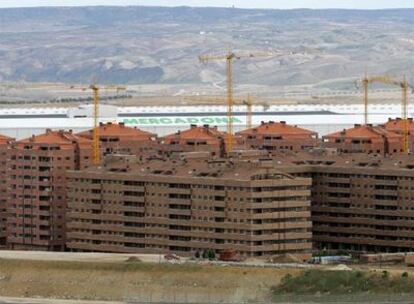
[404,274]
[343,282]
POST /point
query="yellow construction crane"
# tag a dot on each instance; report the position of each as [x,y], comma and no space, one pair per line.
[229,57]
[404,85]
[248,102]
[96,155]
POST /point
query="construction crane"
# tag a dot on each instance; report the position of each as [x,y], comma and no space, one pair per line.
[96,156]
[404,85]
[248,102]
[229,57]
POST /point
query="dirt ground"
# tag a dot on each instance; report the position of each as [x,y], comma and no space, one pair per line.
[138,281]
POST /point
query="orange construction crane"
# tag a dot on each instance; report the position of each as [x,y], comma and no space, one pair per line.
[404,85]
[229,57]
[96,156]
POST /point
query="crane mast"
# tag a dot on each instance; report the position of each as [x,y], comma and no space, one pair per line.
[404,85]
[96,157]
[230,101]
[404,105]
[229,58]
[249,112]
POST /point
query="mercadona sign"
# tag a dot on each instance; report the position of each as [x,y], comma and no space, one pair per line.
[180,121]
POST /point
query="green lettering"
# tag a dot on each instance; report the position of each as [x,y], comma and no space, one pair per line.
[129,121]
[143,121]
[192,120]
[180,121]
[153,121]
[220,120]
[207,120]
[166,121]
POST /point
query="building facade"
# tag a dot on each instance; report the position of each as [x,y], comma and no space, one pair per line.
[188,205]
[117,138]
[365,139]
[360,202]
[5,143]
[195,139]
[36,203]
[278,136]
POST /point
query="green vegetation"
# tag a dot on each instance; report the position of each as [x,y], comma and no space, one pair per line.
[209,254]
[344,282]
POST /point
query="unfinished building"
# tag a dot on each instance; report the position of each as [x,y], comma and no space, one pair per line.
[117,138]
[278,136]
[188,205]
[37,188]
[365,139]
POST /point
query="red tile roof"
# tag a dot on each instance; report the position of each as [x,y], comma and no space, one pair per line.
[204,132]
[5,139]
[364,131]
[277,128]
[119,130]
[398,124]
[55,137]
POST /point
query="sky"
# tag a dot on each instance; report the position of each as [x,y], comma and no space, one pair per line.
[278,4]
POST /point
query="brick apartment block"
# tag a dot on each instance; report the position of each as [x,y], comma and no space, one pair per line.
[277,136]
[188,205]
[37,188]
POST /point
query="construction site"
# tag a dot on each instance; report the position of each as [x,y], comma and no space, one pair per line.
[272,188]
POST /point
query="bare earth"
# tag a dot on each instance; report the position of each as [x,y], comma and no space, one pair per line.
[114,279]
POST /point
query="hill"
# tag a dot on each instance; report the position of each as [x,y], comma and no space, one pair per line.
[156,45]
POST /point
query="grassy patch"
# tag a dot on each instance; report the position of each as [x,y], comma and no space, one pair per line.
[343,282]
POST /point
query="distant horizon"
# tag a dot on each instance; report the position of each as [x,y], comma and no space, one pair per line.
[242,4]
[201,7]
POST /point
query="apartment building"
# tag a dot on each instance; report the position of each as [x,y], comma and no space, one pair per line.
[398,126]
[365,139]
[195,139]
[188,204]
[359,202]
[36,202]
[117,138]
[278,136]
[5,143]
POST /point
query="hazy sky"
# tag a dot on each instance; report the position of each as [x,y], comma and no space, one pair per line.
[359,4]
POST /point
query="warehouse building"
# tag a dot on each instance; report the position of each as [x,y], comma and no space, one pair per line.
[189,204]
